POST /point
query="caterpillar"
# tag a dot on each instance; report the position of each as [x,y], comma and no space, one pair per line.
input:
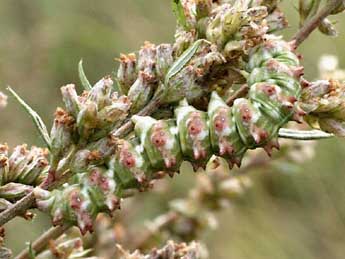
[194,135]
[273,78]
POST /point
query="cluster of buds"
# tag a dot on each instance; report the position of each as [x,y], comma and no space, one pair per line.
[80,134]
[171,250]
[156,73]
[20,171]
[324,101]
[234,26]
[308,8]
[95,112]
[66,247]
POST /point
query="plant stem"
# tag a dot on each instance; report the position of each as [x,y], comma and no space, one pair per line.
[155,226]
[241,92]
[39,244]
[18,208]
[128,126]
[304,134]
[315,21]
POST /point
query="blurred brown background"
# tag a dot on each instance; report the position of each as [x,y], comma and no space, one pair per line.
[298,213]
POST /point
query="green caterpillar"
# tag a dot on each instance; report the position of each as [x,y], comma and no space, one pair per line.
[161,145]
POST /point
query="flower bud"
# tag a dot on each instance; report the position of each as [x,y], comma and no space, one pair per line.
[141,91]
[111,115]
[224,25]
[61,133]
[70,98]
[327,28]
[81,160]
[38,166]
[127,73]
[164,59]
[276,21]
[147,59]
[4,164]
[14,191]
[100,93]
[183,84]
[183,40]
[203,8]
[87,119]
[23,166]
[17,161]
[324,101]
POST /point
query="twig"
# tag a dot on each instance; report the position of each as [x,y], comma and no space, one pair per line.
[39,244]
[304,134]
[315,21]
[158,224]
[128,126]
[18,208]
[241,92]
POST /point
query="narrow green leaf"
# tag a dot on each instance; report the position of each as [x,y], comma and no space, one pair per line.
[35,117]
[83,79]
[179,13]
[32,254]
[183,60]
[304,134]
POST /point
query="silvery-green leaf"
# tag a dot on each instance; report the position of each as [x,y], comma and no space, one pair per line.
[84,81]
[35,117]
[183,60]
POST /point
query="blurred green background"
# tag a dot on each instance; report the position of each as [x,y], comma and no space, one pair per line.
[284,215]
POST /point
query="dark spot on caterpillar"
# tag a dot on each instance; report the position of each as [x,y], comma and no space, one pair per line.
[158,138]
[195,124]
[127,159]
[246,114]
